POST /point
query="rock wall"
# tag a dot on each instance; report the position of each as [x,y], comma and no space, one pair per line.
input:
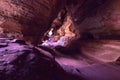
[98,18]
[94,20]
[34,17]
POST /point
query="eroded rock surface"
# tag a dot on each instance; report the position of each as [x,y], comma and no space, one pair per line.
[99,18]
[22,62]
[33,17]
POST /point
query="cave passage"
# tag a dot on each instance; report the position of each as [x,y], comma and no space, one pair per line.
[59,39]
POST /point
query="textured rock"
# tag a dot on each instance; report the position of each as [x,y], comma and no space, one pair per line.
[99,18]
[94,20]
[34,17]
[21,62]
[118,61]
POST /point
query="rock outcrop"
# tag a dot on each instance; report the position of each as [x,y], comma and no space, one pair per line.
[34,17]
[99,18]
[19,61]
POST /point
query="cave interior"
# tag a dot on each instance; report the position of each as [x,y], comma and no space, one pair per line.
[59,39]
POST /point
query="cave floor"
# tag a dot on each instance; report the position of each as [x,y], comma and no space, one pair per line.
[97,62]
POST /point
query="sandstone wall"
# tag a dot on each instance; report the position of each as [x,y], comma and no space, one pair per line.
[34,16]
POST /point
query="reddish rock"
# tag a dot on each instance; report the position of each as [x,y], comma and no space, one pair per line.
[35,17]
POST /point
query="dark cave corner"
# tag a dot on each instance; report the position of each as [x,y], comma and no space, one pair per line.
[59,39]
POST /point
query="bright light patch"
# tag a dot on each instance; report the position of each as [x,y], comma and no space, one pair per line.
[62,37]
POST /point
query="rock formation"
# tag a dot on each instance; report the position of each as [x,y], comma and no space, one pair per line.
[100,19]
[19,61]
[34,17]
[87,20]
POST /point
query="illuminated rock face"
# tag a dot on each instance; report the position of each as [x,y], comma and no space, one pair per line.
[94,19]
[63,36]
[99,18]
[34,17]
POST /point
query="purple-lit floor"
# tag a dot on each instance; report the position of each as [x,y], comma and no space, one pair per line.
[90,70]
[98,64]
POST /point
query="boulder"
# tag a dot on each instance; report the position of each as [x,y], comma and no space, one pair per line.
[22,62]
